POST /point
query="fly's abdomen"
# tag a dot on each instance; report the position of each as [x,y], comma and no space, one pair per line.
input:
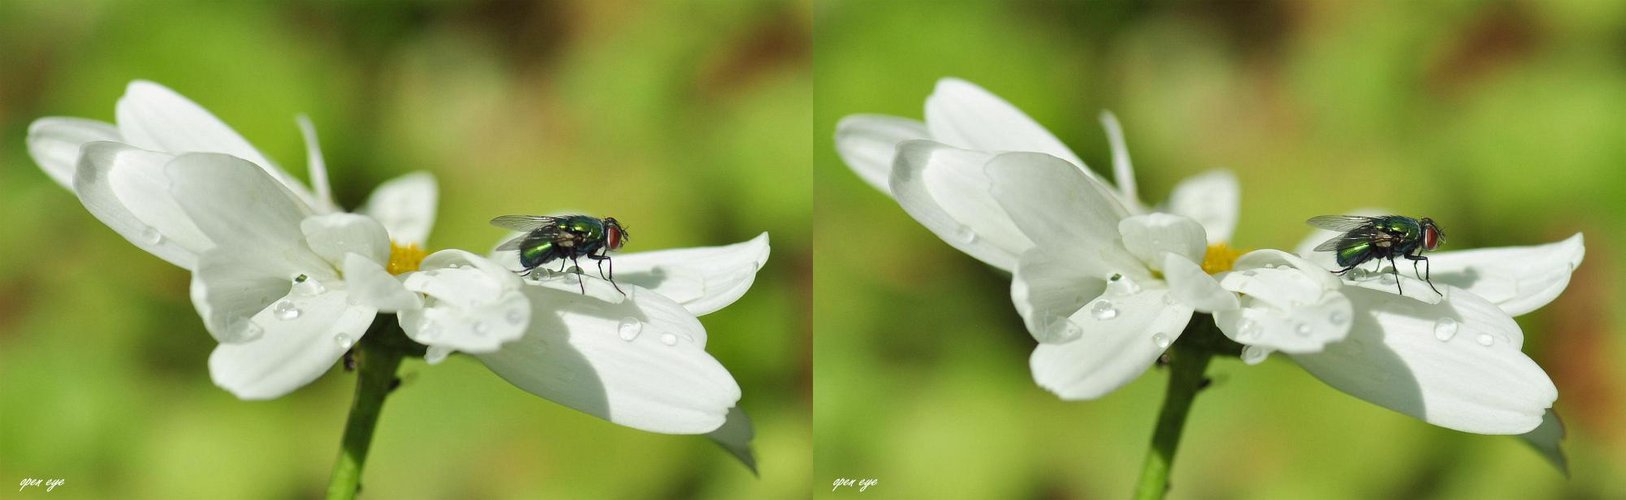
[1353,254]
[535,253]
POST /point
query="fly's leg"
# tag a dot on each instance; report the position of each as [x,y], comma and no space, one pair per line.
[1396,270]
[1426,274]
[611,278]
[579,281]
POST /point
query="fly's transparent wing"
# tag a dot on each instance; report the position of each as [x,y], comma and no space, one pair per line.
[523,222]
[512,244]
[1341,222]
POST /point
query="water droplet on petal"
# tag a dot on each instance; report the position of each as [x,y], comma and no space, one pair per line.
[1445,328]
[1250,273]
[1103,310]
[1247,329]
[285,310]
[1168,299]
[1253,354]
[343,340]
[1485,339]
[304,285]
[1120,285]
[151,236]
[516,317]
[630,328]
[480,328]
[668,339]
[1338,318]
[1302,329]
[965,235]
[1161,340]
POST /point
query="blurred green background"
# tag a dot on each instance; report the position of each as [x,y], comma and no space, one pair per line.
[1502,120]
[690,121]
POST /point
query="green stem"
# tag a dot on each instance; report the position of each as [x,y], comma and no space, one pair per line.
[1186,367]
[376,361]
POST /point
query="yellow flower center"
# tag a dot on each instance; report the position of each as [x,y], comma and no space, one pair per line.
[1220,258]
[405,259]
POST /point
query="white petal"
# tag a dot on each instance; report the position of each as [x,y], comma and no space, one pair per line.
[332,236]
[54,143]
[703,279]
[867,143]
[1047,290]
[1307,324]
[473,305]
[232,284]
[1516,279]
[125,187]
[1150,236]
[316,165]
[295,348]
[576,353]
[1069,215]
[1269,258]
[1476,380]
[405,206]
[735,436]
[1212,199]
[945,189]
[1548,440]
[1191,286]
[151,116]
[234,202]
[1123,172]
[961,114]
[370,284]
[1114,348]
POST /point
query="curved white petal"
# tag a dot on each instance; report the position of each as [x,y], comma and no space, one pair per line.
[1150,236]
[233,202]
[295,348]
[1123,172]
[1212,199]
[372,285]
[1475,380]
[151,116]
[1191,286]
[332,236]
[961,114]
[646,375]
[126,188]
[471,304]
[1114,348]
[405,206]
[316,165]
[1516,279]
[703,279]
[1046,291]
[1072,217]
[232,284]
[944,188]
[54,143]
[867,143]
[1287,304]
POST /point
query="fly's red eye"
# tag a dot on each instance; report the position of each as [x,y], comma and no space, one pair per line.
[1431,237]
[614,238]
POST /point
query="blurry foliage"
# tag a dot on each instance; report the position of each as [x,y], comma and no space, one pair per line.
[689,121]
[1502,120]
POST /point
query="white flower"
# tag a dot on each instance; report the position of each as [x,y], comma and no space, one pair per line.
[1106,287]
[287,284]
